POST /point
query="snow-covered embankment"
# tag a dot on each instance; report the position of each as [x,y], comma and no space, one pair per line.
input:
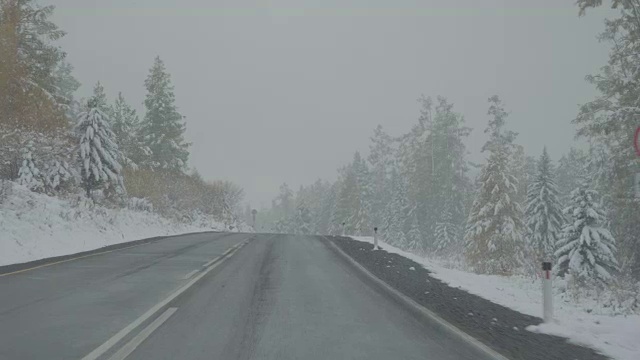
[35,226]
[585,321]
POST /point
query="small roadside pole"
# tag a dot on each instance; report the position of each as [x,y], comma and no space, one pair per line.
[375,239]
[343,225]
[547,294]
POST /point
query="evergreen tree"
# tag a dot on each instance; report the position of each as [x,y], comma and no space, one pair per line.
[98,151]
[446,234]
[544,212]
[611,119]
[570,170]
[57,175]
[380,158]
[493,238]
[99,97]
[524,170]
[432,159]
[396,211]
[586,250]
[163,127]
[29,175]
[65,82]
[303,220]
[416,154]
[414,236]
[450,182]
[352,203]
[360,218]
[125,127]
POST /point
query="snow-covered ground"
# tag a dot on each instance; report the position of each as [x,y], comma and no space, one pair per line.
[35,226]
[585,322]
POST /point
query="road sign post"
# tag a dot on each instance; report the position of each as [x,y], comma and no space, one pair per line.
[547,293]
[375,238]
[343,226]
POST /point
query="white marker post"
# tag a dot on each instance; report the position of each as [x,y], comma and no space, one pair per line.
[343,226]
[547,293]
[375,239]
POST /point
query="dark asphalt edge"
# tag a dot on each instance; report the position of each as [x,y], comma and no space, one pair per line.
[11,268]
[414,307]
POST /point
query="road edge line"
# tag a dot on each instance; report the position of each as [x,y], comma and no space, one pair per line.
[112,341]
[416,307]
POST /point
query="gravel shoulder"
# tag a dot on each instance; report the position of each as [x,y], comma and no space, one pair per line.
[499,327]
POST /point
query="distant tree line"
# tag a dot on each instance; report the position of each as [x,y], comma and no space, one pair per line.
[512,212]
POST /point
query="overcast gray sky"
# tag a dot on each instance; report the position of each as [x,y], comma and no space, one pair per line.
[285,90]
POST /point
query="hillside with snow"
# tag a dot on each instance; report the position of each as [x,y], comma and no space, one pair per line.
[36,226]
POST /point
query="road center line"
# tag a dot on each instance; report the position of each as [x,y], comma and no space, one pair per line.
[97,352]
[143,335]
[212,261]
[189,275]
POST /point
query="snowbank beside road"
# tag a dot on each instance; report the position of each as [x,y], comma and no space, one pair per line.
[35,226]
[585,323]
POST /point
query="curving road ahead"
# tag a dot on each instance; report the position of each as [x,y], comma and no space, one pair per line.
[211,296]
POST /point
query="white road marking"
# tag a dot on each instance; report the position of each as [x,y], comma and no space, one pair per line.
[97,352]
[211,262]
[189,275]
[142,336]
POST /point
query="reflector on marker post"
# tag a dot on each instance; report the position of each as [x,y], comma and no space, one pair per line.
[547,294]
[375,238]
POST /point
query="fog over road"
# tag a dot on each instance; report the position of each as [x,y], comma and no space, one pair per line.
[212,296]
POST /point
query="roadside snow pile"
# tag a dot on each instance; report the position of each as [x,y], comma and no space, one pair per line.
[586,322]
[35,226]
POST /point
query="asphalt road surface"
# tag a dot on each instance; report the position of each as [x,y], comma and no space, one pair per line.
[211,296]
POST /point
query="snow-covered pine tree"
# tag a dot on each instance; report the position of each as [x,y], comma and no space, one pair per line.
[446,234]
[380,158]
[57,175]
[416,154]
[125,126]
[494,242]
[611,120]
[98,150]
[303,220]
[395,215]
[569,172]
[352,206]
[544,211]
[163,126]
[523,168]
[100,99]
[66,83]
[361,217]
[415,242]
[29,175]
[586,250]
